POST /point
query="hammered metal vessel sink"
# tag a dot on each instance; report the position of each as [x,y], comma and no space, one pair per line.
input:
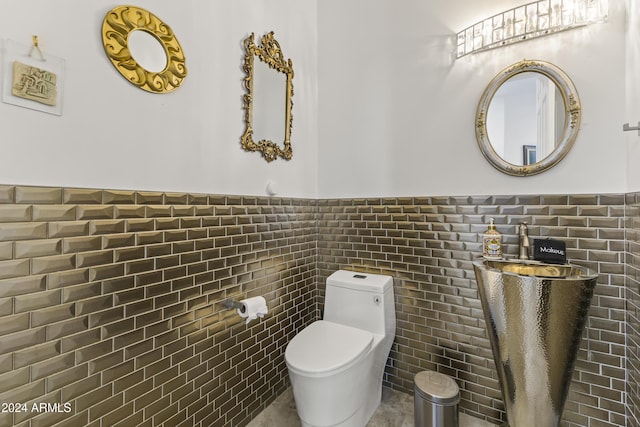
[535,314]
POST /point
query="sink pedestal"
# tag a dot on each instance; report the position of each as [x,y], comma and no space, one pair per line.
[535,314]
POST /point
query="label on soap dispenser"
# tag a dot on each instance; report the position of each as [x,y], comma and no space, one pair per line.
[492,246]
[492,242]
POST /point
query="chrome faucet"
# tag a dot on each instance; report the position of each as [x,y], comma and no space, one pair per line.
[523,241]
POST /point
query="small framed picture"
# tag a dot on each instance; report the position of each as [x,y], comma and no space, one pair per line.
[528,154]
[31,78]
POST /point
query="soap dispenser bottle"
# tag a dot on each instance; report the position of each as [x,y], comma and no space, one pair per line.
[492,243]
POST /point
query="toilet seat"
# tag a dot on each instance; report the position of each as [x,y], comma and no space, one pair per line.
[325,348]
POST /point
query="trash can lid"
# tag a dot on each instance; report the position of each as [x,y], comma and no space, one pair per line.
[437,387]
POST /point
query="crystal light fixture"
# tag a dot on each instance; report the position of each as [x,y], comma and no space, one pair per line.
[536,19]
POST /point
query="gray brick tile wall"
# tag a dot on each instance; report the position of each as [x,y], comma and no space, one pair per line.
[428,244]
[111,300]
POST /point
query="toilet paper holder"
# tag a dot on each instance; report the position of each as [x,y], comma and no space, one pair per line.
[229,303]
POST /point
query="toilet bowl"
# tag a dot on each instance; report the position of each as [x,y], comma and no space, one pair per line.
[336,364]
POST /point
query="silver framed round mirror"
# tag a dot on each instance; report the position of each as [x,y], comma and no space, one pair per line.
[528,118]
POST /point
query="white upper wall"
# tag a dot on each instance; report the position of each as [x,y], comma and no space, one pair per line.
[632,115]
[380,107]
[396,111]
[114,135]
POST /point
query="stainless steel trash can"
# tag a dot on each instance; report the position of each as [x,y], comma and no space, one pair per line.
[435,400]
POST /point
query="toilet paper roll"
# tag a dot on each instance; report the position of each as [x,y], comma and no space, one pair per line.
[252,308]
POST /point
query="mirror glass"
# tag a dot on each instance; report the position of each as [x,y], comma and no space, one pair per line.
[147,51]
[527,118]
[267,102]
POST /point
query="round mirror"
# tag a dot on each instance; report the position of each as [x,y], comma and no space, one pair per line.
[528,118]
[143,49]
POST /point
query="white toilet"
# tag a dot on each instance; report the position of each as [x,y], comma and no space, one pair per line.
[336,364]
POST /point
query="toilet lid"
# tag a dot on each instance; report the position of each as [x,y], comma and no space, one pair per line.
[325,347]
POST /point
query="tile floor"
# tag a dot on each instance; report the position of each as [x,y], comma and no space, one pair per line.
[395,410]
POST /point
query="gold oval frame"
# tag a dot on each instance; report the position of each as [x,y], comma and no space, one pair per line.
[118,23]
[271,54]
[572,108]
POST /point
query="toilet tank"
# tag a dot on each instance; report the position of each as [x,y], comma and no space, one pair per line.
[361,300]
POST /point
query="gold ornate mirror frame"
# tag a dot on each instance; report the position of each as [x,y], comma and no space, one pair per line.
[118,23]
[270,53]
[571,126]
